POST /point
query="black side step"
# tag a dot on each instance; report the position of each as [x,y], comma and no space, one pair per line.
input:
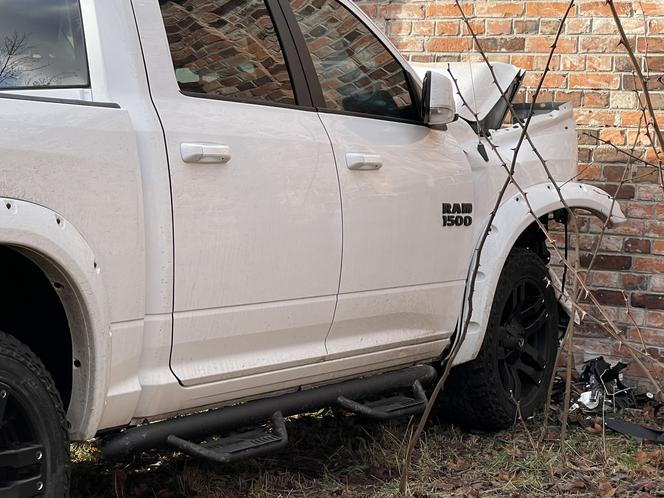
[21,457]
[23,488]
[224,420]
[389,408]
[239,446]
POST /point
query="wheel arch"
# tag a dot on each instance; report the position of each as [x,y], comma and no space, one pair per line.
[513,226]
[61,253]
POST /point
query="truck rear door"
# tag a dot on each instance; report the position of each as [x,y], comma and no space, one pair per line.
[256,203]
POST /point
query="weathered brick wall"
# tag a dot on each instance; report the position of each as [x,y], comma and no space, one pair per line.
[592,71]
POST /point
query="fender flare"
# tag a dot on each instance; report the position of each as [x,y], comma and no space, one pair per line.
[62,253]
[510,222]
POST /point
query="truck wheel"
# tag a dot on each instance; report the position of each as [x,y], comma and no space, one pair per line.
[517,357]
[31,419]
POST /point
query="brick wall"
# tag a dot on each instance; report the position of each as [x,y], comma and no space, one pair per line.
[594,73]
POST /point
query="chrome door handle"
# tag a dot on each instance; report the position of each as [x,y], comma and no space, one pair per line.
[363,162]
[205,153]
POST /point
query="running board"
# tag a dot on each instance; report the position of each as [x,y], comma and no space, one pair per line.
[177,432]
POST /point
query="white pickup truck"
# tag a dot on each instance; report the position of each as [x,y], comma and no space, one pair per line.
[218,213]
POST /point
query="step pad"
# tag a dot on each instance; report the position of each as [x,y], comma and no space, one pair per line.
[237,446]
[241,442]
[389,408]
[391,405]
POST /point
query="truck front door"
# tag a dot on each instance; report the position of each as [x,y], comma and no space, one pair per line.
[407,190]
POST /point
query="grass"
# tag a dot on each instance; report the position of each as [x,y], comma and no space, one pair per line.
[347,457]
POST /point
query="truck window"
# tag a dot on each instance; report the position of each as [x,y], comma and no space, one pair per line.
[227,49]
[356,72]
[42,45]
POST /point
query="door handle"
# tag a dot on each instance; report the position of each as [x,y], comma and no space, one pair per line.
[205,153]
[363,162]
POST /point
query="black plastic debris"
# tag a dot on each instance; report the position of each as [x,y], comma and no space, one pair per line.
[601,394]
[603,389]
[636,430]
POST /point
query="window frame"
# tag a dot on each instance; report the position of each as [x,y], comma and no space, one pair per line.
[88,77]
[313,81]
[301,92]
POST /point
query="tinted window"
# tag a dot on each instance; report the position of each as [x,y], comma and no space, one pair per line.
[41,44]
[227,48]
[355,70]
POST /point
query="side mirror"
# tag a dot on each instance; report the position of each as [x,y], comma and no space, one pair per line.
[438,99]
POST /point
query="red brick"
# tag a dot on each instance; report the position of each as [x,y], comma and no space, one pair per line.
[634,282]
[655,319]
[648,264]
[543,44]
[607,297]
[448,44]
[600,63]
[655,8]
[523,26]
[607,26]
[599,44]
[614,135]
[637,245]
[503,44]
[399,28]
[578,26]
[656,26]
[600,8]
[658,247]
[478,26]
[596,99]
[553,80]
[606,262]
[448,10]
[589,117]
[447,27]
[499,9]
[648,301]
[599,81]
[650,44]
[573,62]
[409,44]
[402,11]
[546,9]
[499,27]
[424,28]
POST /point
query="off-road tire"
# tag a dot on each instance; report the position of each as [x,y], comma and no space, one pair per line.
[475,397]
[34,390]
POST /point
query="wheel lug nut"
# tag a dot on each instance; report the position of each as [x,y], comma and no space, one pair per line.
[3,394]
[40,486]
[39,455]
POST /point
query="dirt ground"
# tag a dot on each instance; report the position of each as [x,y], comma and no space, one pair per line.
[347,457]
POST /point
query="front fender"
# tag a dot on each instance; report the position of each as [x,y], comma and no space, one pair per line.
[510,222]
[60,250]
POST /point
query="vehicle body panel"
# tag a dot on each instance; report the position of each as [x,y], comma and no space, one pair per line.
[79,216]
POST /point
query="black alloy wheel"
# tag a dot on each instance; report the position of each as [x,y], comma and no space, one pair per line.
[34,443]
[523,342]
[512,370]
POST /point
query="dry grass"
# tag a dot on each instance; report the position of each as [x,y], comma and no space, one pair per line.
[347,457]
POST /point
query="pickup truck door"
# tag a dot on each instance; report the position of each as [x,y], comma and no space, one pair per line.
[407,244]
[256,203]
